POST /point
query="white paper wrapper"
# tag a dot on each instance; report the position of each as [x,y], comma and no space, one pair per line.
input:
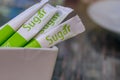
[60,33]
[37,22]
[13,25]
[31,27]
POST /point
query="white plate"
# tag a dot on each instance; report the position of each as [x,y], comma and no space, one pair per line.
[107,14]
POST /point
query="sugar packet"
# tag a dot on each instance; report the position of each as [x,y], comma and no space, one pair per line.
[13,25]
[31,27]
[64,31]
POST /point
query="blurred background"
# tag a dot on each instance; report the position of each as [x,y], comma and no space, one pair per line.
[94,54]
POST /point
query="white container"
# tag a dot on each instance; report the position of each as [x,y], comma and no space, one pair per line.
[27,64]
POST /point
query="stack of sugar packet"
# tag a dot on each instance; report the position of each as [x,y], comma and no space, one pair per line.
[40,26]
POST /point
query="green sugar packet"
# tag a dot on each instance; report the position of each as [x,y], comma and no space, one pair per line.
[64,31]
[31,27]
[7,30]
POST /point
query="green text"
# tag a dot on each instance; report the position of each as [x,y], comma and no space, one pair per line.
[35,20]
[50,23]
[59,35]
